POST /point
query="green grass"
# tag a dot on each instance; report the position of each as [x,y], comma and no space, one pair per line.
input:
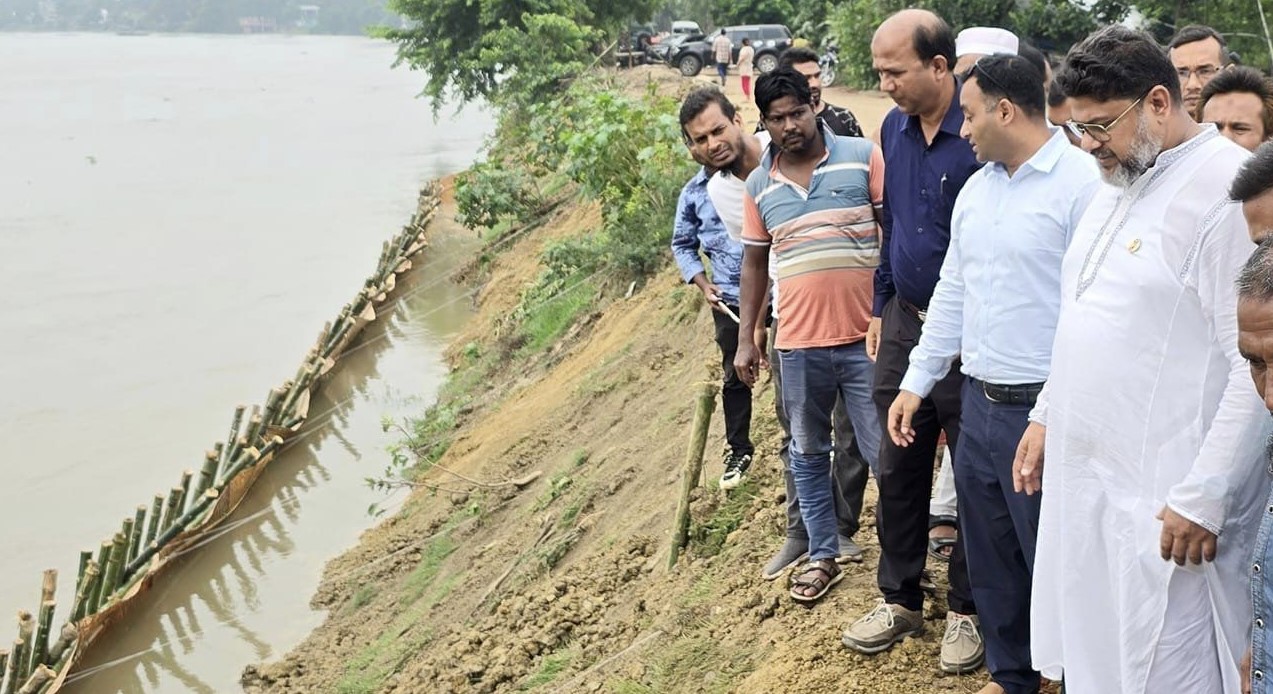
[709,536]
[551,666]
[557,487]
[363,596]
[579,458]
[549,319]
[430,562]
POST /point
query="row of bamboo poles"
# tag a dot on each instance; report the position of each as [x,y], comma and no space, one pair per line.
[127,561]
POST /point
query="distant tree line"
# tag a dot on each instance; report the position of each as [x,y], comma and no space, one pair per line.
[209,16]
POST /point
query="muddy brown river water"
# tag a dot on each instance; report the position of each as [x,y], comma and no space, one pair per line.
[178,217]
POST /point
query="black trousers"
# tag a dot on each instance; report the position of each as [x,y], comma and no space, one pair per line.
[906,474]
[735,395]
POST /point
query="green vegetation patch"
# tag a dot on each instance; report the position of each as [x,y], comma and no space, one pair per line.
[708,537]
[550,667]
[430,563]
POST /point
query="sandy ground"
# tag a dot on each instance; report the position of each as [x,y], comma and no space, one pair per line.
[564,585]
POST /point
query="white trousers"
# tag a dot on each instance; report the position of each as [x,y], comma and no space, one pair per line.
[943,500]
[1187,658]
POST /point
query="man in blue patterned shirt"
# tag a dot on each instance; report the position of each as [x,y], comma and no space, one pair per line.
[698,231]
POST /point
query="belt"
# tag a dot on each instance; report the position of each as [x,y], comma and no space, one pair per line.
[912,309]
[1022,394]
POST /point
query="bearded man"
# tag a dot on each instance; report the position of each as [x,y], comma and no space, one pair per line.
[1152,471]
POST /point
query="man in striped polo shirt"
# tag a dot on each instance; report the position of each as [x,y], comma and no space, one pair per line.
[814,203]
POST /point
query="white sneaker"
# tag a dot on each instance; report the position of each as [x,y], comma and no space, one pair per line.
[735,469]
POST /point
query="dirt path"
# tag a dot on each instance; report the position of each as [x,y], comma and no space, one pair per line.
[563,586]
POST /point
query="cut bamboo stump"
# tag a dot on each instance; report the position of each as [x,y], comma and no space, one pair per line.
[39,678]
[40,649]
[15,656]
[706,403]
[139,529]
[152,526]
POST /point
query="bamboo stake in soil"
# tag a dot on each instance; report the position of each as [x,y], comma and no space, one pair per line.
[126,529]
[171,511]
[48,587]
[186,477]
[99,595]
[693,465]
[208,473]
[110,580]
[85,557]
[235,425]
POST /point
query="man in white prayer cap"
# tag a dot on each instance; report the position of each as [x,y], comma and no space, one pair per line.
[974,42]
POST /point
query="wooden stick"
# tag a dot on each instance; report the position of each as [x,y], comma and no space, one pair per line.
[84,596]
[693,465]
[152,527]
[40,651]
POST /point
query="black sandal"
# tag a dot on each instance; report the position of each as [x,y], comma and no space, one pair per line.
[819,575]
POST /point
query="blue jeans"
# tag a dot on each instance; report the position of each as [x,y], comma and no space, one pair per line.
[811,380]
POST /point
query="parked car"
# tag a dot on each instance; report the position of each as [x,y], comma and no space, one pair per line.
[692,54]
[686,27]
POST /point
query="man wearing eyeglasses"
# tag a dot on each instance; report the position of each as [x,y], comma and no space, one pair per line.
[1146,438]
[1199,54]
[1010,227]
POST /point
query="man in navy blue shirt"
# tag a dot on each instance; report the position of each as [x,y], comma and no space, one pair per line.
[926,164]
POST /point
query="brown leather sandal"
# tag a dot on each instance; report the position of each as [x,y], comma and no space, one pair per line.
[818,575]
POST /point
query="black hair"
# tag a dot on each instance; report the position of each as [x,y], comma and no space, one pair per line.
[935,38]
[1255,281]
[1241,80]
[1197,32]
[1035,57]
[1117,63]
[698,100]
[796,55]
[746,41]
[1255,177]
[774,85]
[1010,77]
[1056,95]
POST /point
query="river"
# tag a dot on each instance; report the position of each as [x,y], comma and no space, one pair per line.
[179,215]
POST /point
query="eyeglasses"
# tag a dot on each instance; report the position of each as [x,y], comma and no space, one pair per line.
[1096,131]
[1204,73]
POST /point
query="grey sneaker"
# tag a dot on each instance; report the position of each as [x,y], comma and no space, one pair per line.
[792,552]
[882,627]
[962,649]
[735,467]
[849,551]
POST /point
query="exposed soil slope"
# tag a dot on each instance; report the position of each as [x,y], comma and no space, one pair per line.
[562,586]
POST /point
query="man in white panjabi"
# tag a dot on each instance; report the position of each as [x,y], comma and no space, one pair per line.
[1147,437]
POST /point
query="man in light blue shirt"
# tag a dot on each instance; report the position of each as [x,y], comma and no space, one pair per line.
[995,308]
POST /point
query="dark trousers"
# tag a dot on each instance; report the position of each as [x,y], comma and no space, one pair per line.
[848,468]
[905,475]
[734,394]
[998,527]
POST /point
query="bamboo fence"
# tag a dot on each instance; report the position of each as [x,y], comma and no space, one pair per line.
[131,559]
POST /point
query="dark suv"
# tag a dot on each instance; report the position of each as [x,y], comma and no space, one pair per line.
[694,53]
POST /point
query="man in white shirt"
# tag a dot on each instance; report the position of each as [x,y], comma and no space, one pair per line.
[1253,187]
[722,52]
[996,307]
[1153,466]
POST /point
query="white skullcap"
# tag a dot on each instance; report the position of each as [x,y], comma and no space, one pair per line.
[985,41]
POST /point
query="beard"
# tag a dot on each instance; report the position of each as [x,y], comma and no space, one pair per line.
[1140,156]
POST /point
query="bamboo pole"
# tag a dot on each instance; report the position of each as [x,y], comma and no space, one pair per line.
[4,664]
[38,679]
[15,655]
[64,640]
[170,510]
[207,474]
[236,424]
[110,580]
[26,629]
[40,651]
[84,596]
[139,529]
[693,466]
[85,557]
[126,529]
[98,595]
[187,476]
[48,586]
[156,512]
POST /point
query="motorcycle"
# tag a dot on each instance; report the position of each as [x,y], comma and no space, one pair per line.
[828,61]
